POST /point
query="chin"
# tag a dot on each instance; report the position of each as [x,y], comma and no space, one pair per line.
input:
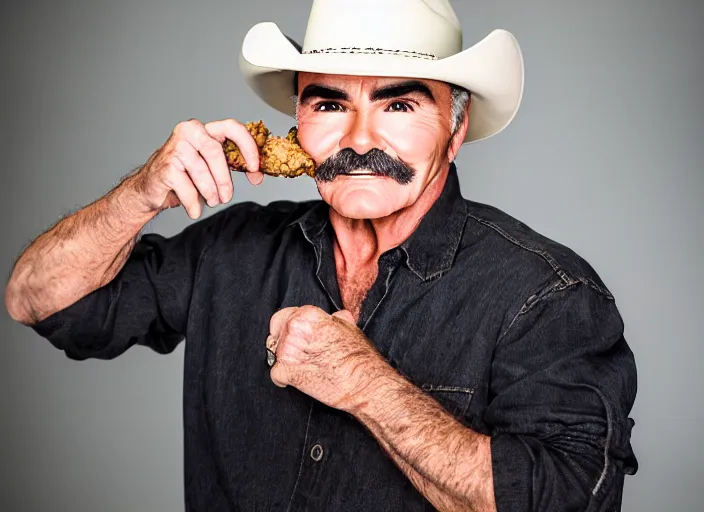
[362,212]
[357,201]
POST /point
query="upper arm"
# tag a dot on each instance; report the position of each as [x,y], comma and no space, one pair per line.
[147,302]
[563,383]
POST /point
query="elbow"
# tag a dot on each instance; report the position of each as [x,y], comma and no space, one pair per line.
[16,301]
[15,305]
[534,474]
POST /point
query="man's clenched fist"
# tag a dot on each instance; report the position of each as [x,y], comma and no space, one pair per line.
[325,356]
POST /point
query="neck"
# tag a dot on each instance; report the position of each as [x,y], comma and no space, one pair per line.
[360,242]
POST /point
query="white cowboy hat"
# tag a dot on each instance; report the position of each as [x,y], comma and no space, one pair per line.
[393,38]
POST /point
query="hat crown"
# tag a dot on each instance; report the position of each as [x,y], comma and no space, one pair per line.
[414,28]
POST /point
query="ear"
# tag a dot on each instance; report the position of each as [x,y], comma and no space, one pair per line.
[458,138]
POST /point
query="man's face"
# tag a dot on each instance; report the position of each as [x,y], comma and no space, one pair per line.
[389,138]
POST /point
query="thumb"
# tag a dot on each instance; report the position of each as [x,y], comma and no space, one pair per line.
[344,315]
[280,374]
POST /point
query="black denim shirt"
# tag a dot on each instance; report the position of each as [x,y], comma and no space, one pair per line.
[514,334]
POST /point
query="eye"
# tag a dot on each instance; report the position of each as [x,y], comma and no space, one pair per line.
[328,106]
[400,106]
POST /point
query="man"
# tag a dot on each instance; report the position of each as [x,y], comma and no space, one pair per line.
[390,347]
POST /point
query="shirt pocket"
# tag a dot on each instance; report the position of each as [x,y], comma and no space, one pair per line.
[453,399]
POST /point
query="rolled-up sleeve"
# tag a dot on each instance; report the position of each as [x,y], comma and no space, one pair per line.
[563,384]
[147,302]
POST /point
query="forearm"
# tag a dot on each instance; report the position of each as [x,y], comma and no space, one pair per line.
[79,254]
[447,462]
[440,498]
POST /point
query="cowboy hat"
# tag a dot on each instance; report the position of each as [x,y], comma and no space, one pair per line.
[393,38]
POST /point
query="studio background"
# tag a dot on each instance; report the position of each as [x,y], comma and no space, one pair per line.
[604,156]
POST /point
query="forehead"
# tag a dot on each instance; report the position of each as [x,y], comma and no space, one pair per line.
[364,83]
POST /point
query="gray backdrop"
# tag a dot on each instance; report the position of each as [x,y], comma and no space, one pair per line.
[604,156]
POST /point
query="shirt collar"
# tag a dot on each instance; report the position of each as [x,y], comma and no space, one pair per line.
[431,248]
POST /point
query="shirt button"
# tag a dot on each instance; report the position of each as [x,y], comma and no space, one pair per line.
[316,453]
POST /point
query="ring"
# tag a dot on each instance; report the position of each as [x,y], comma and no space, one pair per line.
[270,357]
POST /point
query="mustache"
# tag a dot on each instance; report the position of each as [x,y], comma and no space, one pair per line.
[374,160]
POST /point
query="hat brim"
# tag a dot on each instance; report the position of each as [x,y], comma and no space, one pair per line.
[492,70]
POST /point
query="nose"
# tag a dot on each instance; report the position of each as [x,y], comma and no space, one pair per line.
[361,135]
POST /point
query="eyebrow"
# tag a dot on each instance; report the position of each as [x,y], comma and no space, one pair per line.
[402,89]
[323,92]
[383,93]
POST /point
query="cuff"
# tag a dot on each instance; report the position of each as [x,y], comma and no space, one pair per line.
[512,469]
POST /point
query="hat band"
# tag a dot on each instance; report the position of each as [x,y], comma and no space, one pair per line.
[377,51]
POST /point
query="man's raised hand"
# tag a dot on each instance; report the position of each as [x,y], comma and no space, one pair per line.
[190,168]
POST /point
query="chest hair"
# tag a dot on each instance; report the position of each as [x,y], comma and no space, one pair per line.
[354,288]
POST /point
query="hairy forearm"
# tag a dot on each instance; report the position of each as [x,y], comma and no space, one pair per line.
[79,254]
[447,462]
[440,498]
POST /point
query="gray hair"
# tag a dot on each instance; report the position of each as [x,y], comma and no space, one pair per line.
[460,99]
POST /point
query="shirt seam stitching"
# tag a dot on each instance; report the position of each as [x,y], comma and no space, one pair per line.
[386,291]
[607,443]
[319,257]
[534,299]
[449,255]
[561,273]
[303,457]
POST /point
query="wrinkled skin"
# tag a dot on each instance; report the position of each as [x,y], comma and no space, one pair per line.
[326,356]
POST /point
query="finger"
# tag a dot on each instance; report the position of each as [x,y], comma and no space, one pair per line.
[313,312]
[255,178]
[280,374]
[278,319]
[345,315]
[237,133]
[180,183]
[272,342]
[211,151]
[199,171]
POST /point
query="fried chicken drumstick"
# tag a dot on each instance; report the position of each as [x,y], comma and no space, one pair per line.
[278,156]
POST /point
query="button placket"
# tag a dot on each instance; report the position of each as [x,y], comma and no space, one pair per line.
[388,264]
[319,441]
